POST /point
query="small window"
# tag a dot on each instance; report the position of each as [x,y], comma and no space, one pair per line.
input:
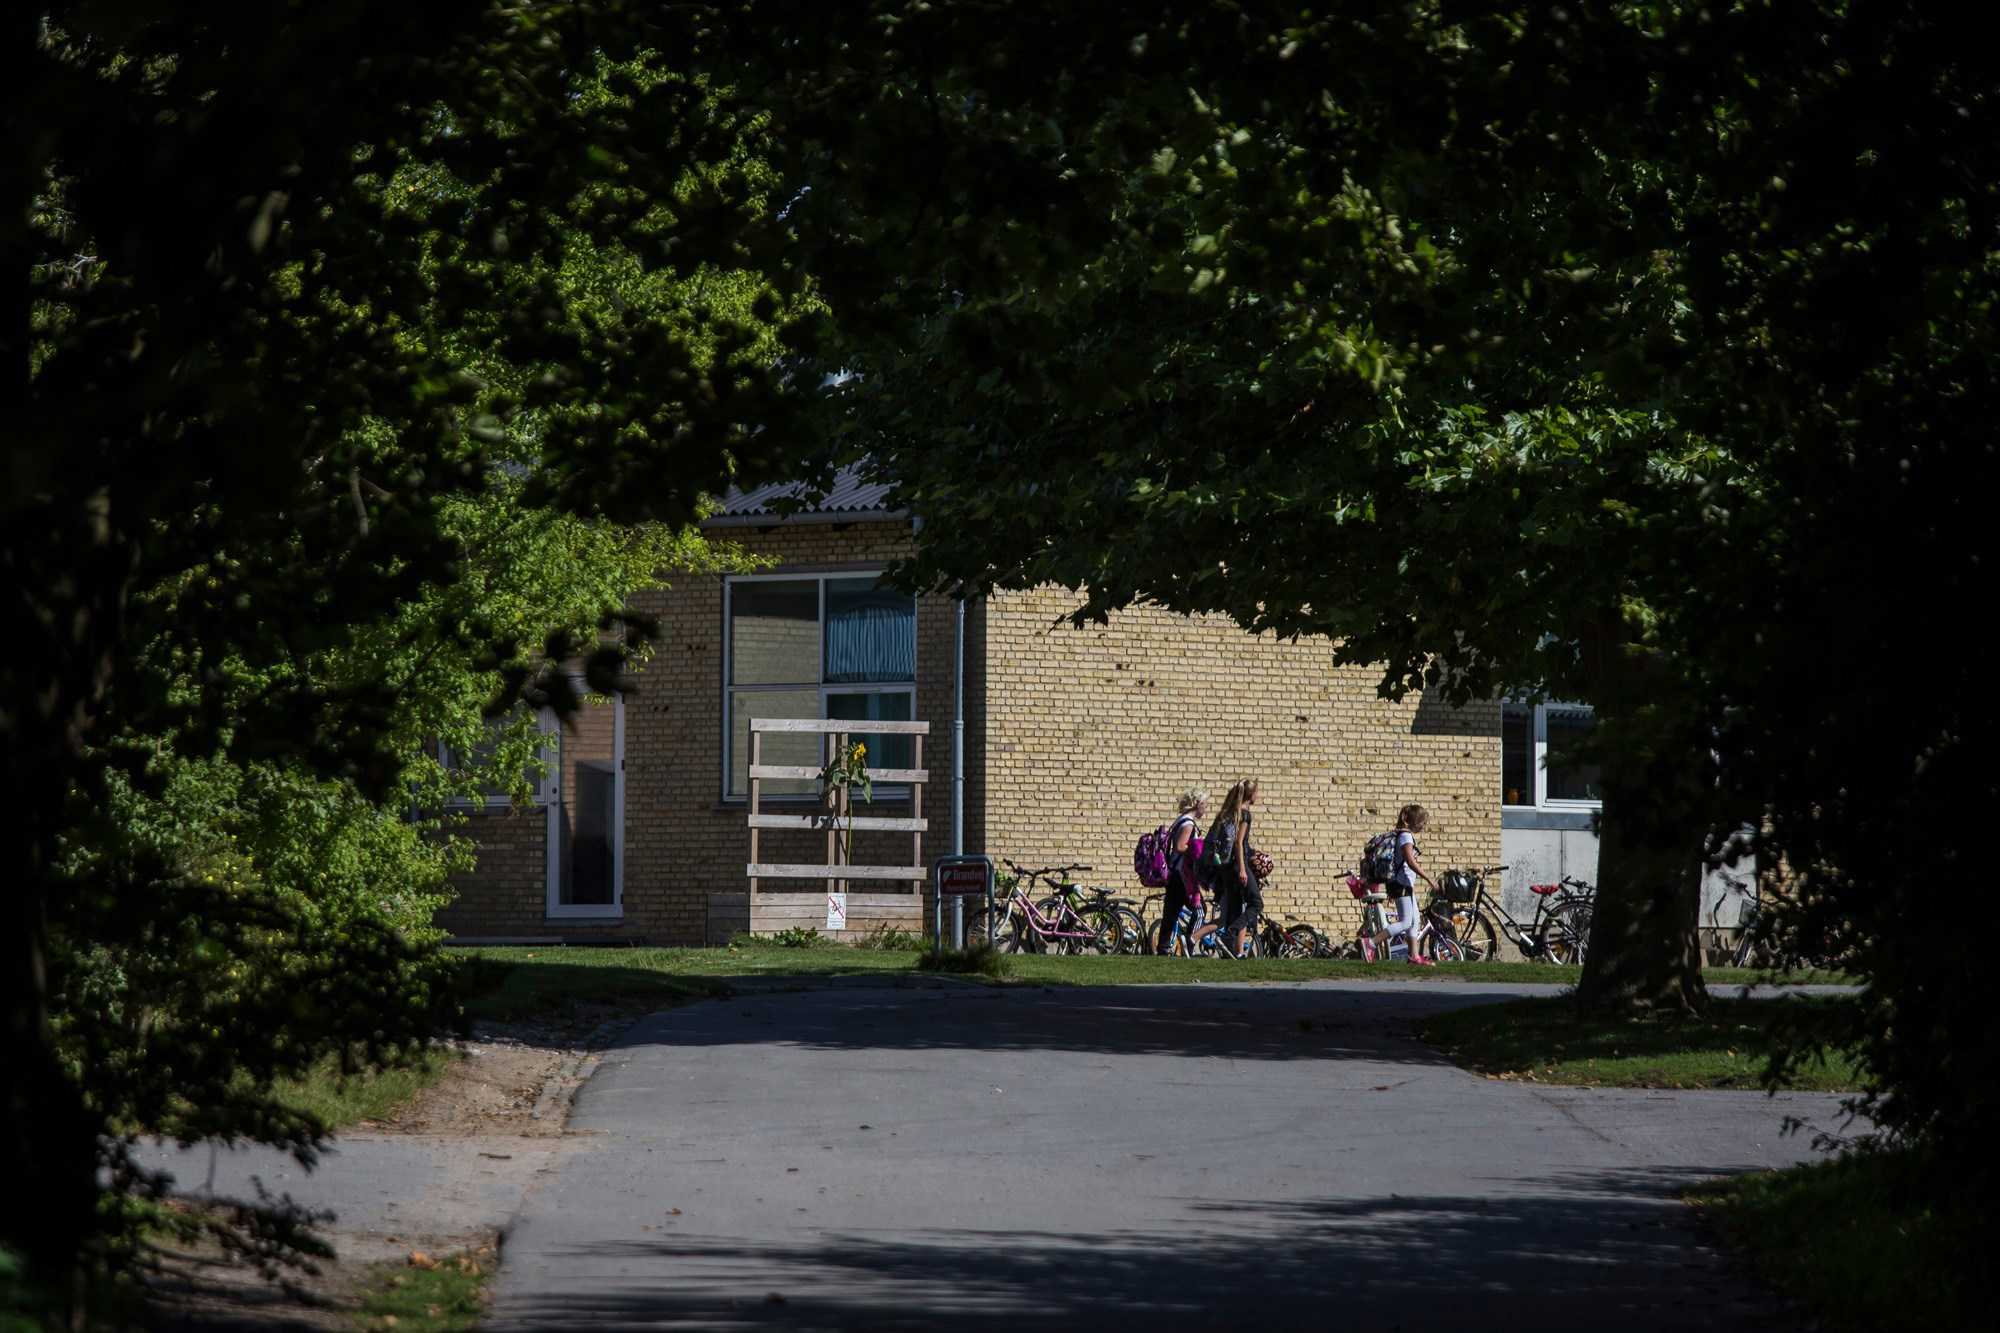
[1539,763]
[1568,777]
[832,646]
[495,789]
[1517,754]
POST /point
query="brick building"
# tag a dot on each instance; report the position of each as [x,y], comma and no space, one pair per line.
[1076,742]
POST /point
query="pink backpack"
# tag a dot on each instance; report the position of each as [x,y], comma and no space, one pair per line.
[1149,858]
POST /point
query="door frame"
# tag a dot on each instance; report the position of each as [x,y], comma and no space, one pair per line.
[552,905]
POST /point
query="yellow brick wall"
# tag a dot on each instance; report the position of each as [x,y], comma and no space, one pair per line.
[1078,740]
[1090,734]
[505,893]
[682,840]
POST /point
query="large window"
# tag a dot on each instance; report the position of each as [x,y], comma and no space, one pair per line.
[817,646]
[1539,768]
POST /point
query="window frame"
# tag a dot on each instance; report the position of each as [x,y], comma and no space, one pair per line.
[540,794]
[883,791]
[1538,744]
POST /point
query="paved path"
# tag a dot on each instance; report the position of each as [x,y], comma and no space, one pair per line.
[1134,1156]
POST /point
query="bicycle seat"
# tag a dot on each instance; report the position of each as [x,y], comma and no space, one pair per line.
[1544,889]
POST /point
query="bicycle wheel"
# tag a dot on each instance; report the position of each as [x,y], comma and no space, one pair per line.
[1301,941]
[1476,939]
[1088,929]
[1447,950]
[1103,937]
[1001,923]
[1564,936]
[1132,936]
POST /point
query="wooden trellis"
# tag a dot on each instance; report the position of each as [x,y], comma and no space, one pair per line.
[768,910]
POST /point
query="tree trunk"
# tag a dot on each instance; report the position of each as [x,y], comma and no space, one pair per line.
[1644,952]
[48,1141]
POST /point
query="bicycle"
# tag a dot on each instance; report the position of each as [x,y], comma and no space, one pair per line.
[1294,939]
[1558,933]
[1122,920]
[1057,924]
[1751,948]
[1376,913]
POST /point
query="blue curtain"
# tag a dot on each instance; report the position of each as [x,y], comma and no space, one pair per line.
[871,643]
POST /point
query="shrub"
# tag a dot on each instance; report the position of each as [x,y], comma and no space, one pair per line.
[976,959]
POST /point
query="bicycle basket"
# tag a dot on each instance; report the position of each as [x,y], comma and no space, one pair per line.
[1458,886]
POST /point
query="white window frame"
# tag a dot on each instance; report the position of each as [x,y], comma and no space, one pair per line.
[1538,739]
[882,791]
[538,796]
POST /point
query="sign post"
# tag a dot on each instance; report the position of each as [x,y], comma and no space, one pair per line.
[957,878]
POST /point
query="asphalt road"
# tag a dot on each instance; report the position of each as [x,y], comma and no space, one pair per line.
[1126,1157]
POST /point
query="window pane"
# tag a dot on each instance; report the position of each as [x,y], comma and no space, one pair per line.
[883,751]
[1517,754]
[493,786]
[871,632]
[780,747]
[774,632]
[1570,780]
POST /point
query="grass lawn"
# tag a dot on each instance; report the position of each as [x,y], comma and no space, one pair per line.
[1858,1240]
[368,1096]
[522,983]
[1543,1040]
[426,1294]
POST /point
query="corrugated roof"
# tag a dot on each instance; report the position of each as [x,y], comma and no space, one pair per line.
[849,494]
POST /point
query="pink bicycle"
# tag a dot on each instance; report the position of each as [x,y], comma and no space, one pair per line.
[1059,925]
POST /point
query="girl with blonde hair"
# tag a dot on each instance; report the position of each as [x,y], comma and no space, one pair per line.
[1226,856]
[1183,851]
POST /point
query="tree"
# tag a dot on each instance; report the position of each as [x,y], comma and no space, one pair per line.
[1642,353]
[303,304]
[1232,313]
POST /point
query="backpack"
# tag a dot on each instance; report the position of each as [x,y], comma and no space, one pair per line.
[1214,856]
[1149,858]
[1378,859]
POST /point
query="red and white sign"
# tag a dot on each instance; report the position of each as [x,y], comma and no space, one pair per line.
[836,911]
[966,875]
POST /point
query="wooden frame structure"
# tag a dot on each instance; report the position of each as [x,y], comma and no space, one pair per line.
[766,911]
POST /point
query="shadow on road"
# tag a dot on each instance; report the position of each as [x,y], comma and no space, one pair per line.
[1239,1023]
[1600,1250]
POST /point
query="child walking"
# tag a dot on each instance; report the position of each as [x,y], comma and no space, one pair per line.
[1183,850]
[1410,821]
[1226,857]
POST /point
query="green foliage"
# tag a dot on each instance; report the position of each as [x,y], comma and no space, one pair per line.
[1865,1241]
[845,775]
[977,959]
[441,1294]
[890,939]
[801,937]
[1515,347]
[370,370]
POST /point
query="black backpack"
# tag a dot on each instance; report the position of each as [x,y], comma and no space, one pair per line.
[1378,859]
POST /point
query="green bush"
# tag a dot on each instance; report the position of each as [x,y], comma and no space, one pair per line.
[976,959]
[801,937]
[891,939]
